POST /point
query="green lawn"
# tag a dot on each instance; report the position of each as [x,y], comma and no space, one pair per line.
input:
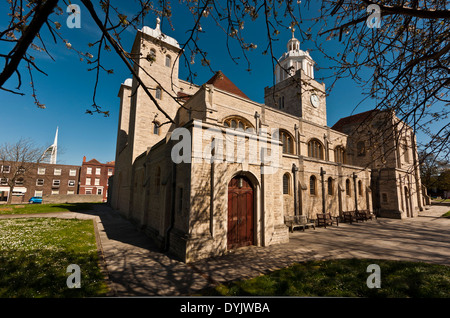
[35,254]
[44,208]
[446,215]
[345,278]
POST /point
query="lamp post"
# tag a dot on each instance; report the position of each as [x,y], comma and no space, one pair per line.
[356,195]
[294,173]
[322,173]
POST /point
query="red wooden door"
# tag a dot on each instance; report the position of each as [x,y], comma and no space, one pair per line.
[240,213]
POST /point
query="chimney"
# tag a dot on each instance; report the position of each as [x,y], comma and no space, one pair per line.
[84,159]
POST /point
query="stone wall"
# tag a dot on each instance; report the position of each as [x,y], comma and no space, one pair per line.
[72,198]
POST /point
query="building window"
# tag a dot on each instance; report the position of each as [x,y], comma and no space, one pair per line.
[158,180]
[340,155]
[384,197]
[40,182]
[330,186]
[110,172]
[168,61]
[54,192]
[153,54]
[71,183]
[19,182]
[180,199]
[98,170]
[405,151]
[88,191]
[38,193]
[286,183]
[72,172]
[236,122]
[99,191]
[41,170]
[360,190]
[57,171]
[347,187]
[56,183]
[288,142]
[88,181]
[281,102]
[97,181]
[312,185]
[156,127]
[70,192]
[88,170]
[6,169]
[3,181]
[361,148]
[158,93]
[315,149]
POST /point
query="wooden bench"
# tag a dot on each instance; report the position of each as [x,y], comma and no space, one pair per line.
[326,219]
[297,221]
[366,215]
[349,216]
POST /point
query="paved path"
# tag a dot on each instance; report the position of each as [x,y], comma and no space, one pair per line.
[136,268]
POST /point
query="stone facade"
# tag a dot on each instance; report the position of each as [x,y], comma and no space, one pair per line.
[181,182]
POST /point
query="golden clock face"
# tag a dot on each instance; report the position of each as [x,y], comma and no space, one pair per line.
[315,100]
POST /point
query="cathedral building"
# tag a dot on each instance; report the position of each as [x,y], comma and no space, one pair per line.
[229,170]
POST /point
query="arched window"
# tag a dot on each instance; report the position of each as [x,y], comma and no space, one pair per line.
[361,148]
[347,187]
[158,93]
[360,190]
[152,54]
[330,186]
[315,149]
[288,141]
[158,180]
[286,179]
[340,154]
[168,61]
[237,122]
[156,127]
[312,185]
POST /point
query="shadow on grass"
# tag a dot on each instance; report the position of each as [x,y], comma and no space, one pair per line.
[345,278]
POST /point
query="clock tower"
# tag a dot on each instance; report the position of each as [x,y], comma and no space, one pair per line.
[296,91]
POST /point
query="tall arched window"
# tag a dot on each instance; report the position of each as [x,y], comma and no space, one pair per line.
[340,155]
[288,141]
[158,180]
[361,148]
[330,186]
[156,126]
[286,182]
[168,61]
[347,187]
[360,190]
[158,93]
[312,185]
[315,149]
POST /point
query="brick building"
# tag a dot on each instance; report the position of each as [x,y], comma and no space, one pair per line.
[37,180]
[94,177]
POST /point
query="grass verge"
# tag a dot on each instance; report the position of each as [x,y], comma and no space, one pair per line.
[345,278]
[44,208]
[35,254]
[446,215]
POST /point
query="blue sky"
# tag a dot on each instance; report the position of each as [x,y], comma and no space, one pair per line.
[67,90]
